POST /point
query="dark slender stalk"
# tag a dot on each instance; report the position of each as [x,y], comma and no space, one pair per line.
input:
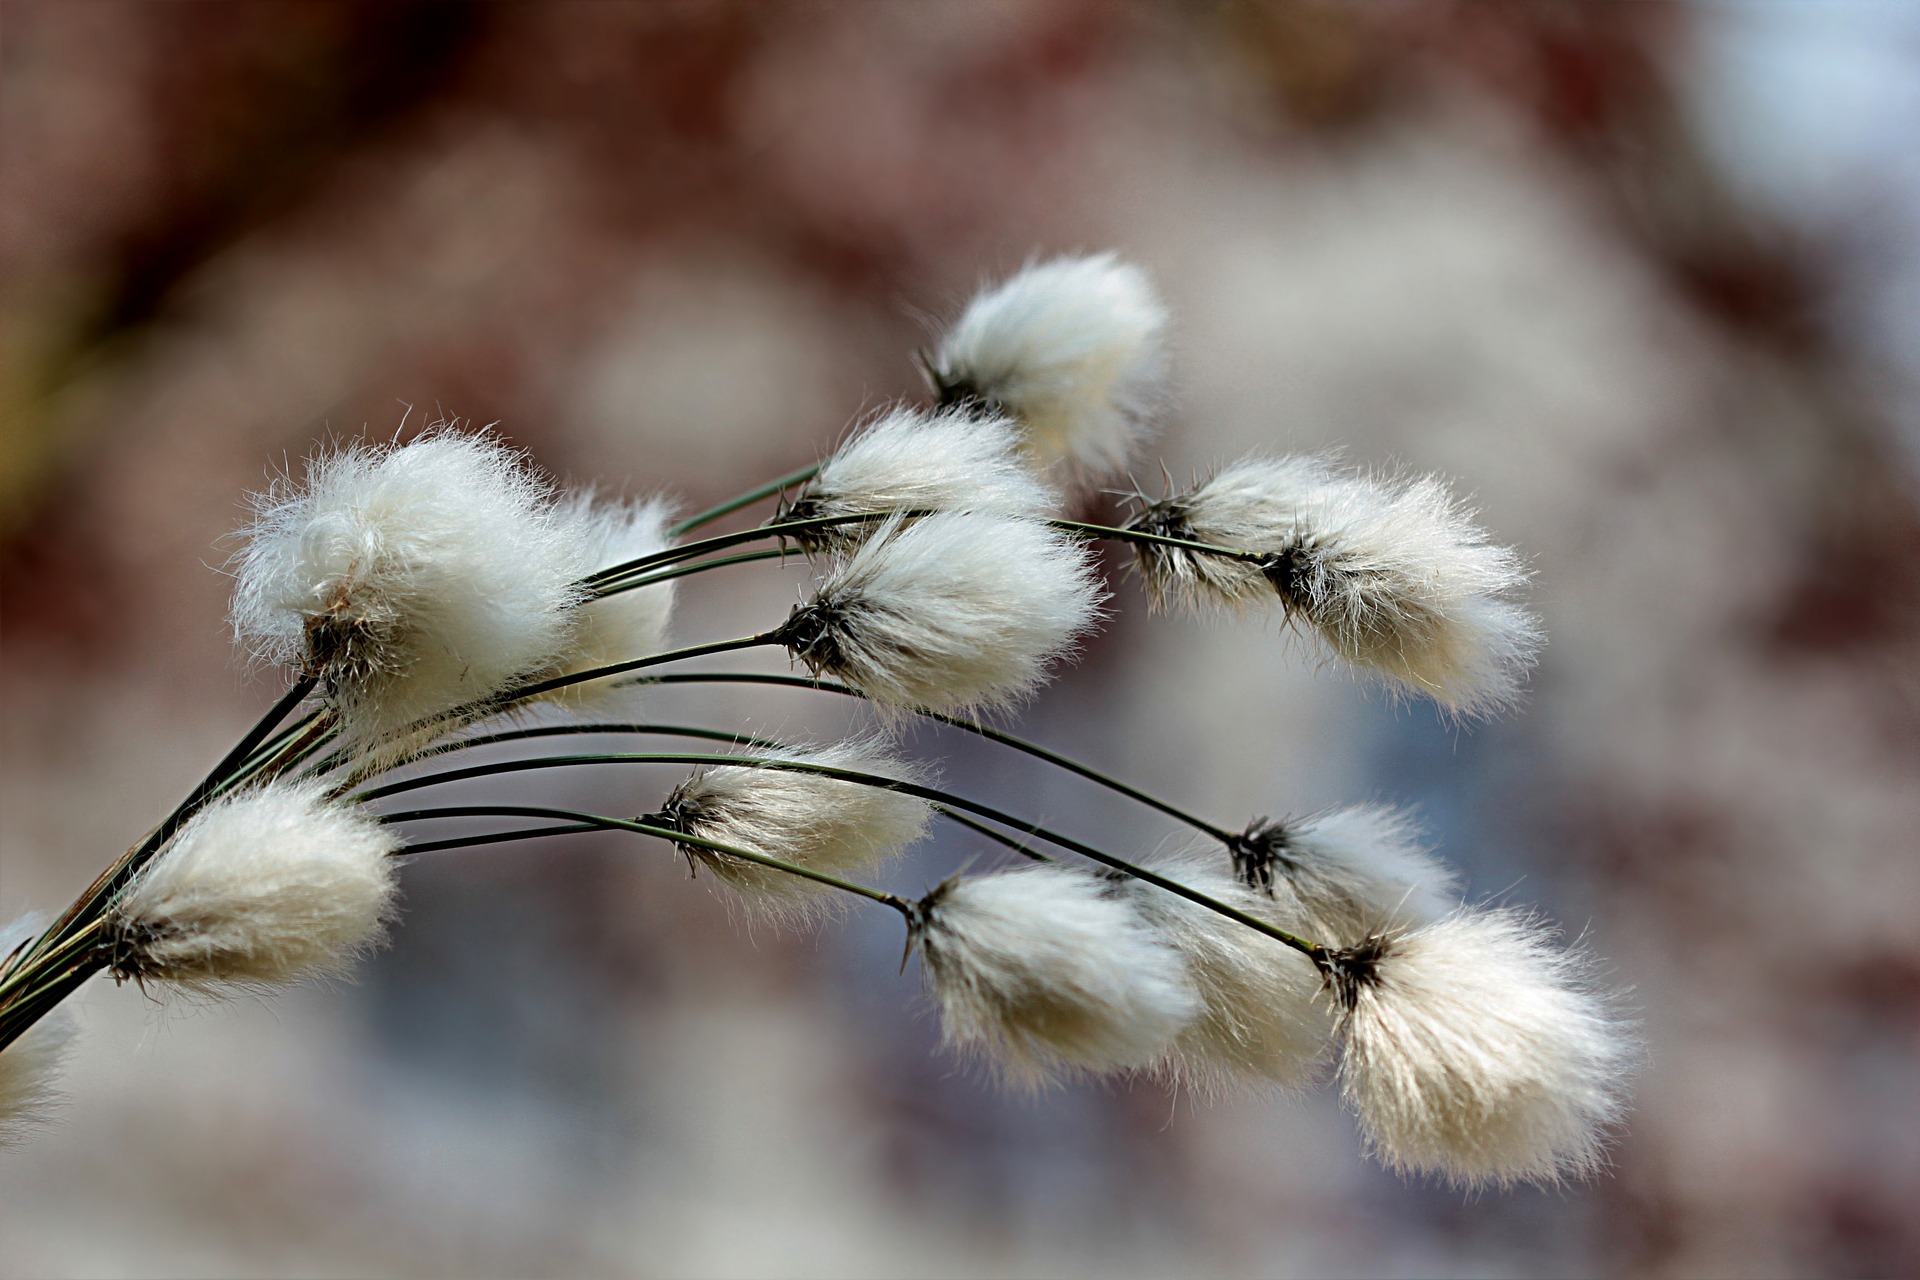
[647,829]
[700,566]
[746,499]
[615,574]
[1110,533]
[979,730]
[496,837]
[115,877]
[539,687]
[932,794]
[1020,847]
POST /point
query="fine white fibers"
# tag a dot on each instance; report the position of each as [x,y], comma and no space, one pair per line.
[1073,348]
[944,460]
[1477,1049]
[264,887]
[1351,872]
[627,624]
[1041,969]
[1259,1018]
[951,612]
[1393,575]
[807,819]
[412,579]
[30,1066]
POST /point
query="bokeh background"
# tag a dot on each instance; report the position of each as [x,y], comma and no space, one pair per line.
[1640,276]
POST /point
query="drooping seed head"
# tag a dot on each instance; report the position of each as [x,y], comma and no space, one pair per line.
[264,887]
[1261,1021]
[913,460]
[1042,970]
[1478,1050]
[411,579]
[953,612]
[1072,348]
[807,819]
[1347,873]
[625,625]
[1392,575]
[30,1066]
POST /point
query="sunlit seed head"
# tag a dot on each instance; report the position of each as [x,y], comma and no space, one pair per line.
[1043,971]
[1073,349]
[913,460]
[411,579]
[264,887]
[1477,1050]
[953,612]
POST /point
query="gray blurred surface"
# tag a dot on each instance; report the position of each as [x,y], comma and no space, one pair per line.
[1640,278]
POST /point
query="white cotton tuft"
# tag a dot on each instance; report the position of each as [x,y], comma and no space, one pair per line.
[1073,349]
[1041,969]
[807,819]
[1477,1049]
[263,887]
[30,1066]
[1393,575]
[952,612]
[625,625]
[1348,873]
[908,460]
[411,579]
[1260,1019]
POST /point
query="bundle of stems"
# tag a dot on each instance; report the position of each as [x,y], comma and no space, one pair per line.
[437,597]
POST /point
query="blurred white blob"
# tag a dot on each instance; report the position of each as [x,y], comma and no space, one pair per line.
[1348,873]
[628,624]
[1260,1019]
[30,1066]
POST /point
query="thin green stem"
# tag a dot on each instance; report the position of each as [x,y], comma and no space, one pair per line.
[1020,847]
[1111,533]
[746,499]
[496,837]
[613,575]
[979,730]
[539,687]
[664,833]
[931,794]
[701,566]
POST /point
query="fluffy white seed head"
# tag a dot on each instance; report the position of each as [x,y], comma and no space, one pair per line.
[808,819]
[1478,1050]
[1073,349]
[952,612]
[1348,873]
[1261,1020]
[909,459]
[263,887]
[1041,969]
[629,624]
[1393,575]
[411,579]
[30,1066]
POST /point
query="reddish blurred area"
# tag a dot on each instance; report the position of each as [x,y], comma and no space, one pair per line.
[685,245]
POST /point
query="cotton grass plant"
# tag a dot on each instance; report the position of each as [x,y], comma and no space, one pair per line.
[425,598]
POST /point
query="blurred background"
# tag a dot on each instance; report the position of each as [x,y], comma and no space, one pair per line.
[1641,277]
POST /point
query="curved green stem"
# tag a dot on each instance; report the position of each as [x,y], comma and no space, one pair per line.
[979,730]
[934,795]
[665,833]
[746,499]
